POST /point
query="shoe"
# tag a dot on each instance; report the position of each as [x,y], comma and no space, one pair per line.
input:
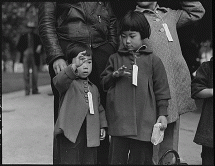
[34,93]
[27,93]
[50,94]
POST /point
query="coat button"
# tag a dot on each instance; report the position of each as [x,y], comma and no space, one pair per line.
[86,101]
[132,63]
[86,96]
[100,3]
[85,86]
[85,90]
[85,82]
[156,12]
[157,19]
[162,30]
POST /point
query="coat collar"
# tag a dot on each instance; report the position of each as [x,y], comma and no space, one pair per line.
[144,49]
[151,11]
[85,79]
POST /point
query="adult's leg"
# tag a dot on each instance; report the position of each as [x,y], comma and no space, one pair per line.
[26,74]
[119,148]
[100,58]
[141,153]
[34,76]
[207,155]
[56,159]
[170,141]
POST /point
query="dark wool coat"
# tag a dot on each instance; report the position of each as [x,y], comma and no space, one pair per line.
[74,108]
[203,80]
[170,52]
[132,111]
[23,45]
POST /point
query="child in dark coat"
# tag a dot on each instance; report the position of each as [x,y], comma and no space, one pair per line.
[202,88]
[137,94]
[81,120]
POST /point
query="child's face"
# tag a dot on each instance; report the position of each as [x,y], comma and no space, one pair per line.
[131,40]
[85,69]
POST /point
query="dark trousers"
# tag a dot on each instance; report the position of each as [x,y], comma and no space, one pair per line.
[100,58]
[78,152]
[207,155]
[130,151]
[29,63]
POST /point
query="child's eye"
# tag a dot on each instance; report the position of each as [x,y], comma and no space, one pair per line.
[132,36]
[123,36]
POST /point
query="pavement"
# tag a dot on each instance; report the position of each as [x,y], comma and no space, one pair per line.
[27,129]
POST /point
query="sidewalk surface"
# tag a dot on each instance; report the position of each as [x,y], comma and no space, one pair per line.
[27,130]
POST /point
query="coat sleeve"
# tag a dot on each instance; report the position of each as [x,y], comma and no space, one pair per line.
[107,75]
[160,86]
[200,81]
[63,79]
[47,31]
[102,116]
[113,37]
[191,11]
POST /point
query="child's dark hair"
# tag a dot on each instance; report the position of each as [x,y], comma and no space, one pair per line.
[75,48]
[135,21]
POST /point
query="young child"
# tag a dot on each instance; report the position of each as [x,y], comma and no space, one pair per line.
[81,121]
[202,88]
[137,94]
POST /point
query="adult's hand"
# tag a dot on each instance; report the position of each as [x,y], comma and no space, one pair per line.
[59,65]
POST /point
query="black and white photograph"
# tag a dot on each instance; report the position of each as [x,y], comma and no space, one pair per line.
[119,82]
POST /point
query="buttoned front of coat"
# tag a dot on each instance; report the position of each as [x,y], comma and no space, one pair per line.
[74,108]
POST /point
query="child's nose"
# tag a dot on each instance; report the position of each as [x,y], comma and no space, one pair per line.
[85,65]
[127,40]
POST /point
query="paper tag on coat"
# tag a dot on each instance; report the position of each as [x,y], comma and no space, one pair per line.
[134,74]
[168,34]
[90,98]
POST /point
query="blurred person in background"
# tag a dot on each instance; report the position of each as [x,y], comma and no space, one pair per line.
[30,46]
[206,51]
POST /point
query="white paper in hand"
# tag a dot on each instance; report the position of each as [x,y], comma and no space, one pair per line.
[157,134]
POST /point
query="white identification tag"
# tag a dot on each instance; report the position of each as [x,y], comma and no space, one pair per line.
[168,34]
[90,98]
[134,75]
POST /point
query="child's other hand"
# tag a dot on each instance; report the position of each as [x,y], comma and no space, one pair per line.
[163,121]
[80,59]
[121,72]
[102,134]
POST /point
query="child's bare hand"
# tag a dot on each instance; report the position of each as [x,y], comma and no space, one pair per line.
[80,59]
[163,121]
[121,72]
[102,134]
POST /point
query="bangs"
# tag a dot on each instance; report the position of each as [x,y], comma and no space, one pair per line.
[135,21]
